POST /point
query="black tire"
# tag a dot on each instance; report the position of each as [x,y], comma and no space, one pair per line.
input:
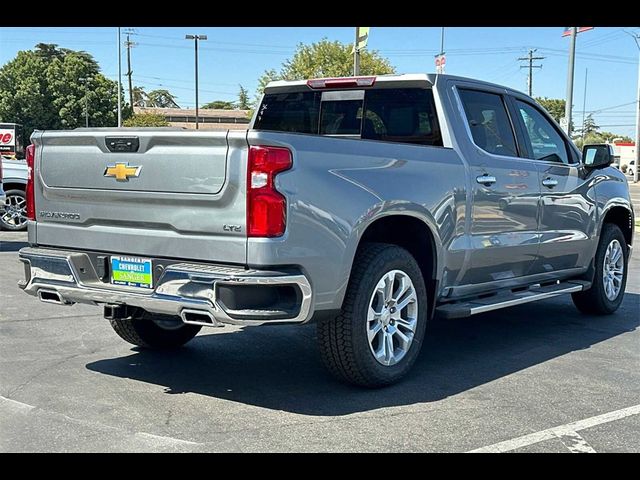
[343,341]
[594,301]
[144,332]
[16,194]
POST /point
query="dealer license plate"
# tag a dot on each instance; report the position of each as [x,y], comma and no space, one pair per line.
[131,271]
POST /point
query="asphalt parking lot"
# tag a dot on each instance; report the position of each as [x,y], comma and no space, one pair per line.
[534,378]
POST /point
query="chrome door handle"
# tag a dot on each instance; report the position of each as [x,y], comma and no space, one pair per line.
[549,182]
[486,179]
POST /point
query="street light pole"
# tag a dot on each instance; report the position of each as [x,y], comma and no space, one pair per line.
[635,171]
[119,80]
[572,57]
[196,38]
[356,54]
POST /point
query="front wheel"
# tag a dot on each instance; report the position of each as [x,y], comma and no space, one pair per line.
[377,336]
[606,294]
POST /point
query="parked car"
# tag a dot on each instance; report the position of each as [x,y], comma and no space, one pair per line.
[13,208]
[364,204]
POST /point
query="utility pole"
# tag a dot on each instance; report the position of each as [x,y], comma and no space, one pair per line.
[440,58]
[129,44]
[530,58]
[196,38]
[356,54]
[119,80]
[584,103]
[636,37]
[572,58]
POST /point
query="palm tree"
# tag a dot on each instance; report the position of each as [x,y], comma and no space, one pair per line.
[161,99]
[140,97]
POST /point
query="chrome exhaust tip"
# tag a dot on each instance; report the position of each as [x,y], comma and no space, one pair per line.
[51,296]
[198,317]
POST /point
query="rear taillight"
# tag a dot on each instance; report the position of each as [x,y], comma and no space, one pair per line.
[266,207]
[31,203]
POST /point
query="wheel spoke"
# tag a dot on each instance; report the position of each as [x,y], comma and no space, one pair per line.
[388,287]
[409,324]
[374,330]
[405,301]
[405,340]
[388,348]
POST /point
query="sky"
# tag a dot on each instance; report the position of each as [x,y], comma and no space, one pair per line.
[233,56]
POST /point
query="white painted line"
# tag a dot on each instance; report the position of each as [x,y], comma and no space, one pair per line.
[165,440]
[559,431]
[575,442]
[15,406]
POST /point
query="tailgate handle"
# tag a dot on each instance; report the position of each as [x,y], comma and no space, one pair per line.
[122,144]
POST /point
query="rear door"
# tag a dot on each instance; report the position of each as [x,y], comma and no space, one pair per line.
[567,215]
[147,192]
[505,191]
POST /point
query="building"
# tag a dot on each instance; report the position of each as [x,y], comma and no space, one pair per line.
[625,151]
[210,119]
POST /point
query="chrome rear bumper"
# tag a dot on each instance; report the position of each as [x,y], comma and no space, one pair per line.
[180,287]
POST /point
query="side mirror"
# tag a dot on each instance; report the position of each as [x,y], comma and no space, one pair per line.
[597,156]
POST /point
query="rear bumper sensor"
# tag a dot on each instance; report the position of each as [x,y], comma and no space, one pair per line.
[200,294]
[509,299]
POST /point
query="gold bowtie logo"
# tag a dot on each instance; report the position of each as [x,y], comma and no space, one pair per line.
[122,172]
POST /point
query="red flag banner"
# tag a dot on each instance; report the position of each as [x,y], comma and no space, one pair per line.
[567,30]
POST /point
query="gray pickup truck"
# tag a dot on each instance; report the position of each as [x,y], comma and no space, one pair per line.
[365,204]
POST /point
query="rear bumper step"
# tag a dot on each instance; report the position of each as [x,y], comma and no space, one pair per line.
[186,290]
[510,299]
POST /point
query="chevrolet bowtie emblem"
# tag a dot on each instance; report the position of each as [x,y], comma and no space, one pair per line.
[122,171]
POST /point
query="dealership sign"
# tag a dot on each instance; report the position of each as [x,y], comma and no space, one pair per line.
[7,140]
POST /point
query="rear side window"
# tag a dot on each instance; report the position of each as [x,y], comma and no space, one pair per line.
[289,112]
[403,115]
[489,123]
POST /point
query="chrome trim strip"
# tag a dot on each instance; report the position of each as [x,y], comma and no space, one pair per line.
[181,286]
[524,299]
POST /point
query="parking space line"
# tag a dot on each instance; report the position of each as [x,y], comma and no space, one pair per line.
[15,406]
[559,432]
[575,442]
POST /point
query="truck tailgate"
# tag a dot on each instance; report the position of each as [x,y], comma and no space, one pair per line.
[180,194]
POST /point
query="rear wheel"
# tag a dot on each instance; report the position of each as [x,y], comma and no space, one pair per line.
[376,338]
[13,215]
[606,294]
[154,332]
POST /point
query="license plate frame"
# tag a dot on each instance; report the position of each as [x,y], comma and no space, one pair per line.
[131,271]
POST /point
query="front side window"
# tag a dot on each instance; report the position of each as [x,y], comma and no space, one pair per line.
[545,143]
[489,122]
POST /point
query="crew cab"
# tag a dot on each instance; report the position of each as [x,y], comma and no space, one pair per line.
[365,204]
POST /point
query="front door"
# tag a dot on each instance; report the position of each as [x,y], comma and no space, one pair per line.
[506,191]
[567,214]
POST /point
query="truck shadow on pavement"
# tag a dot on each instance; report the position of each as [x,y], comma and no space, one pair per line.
[279,367]
[11,246]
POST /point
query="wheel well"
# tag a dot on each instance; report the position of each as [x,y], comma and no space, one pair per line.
[6,186]
[413,235]
[621,217]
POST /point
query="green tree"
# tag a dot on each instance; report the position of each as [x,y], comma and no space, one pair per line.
[49,87]
[555,106]
[589,128]
[161,99]
[326,59]
[243,99]
[140,97]
[145,120]
[220,105]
